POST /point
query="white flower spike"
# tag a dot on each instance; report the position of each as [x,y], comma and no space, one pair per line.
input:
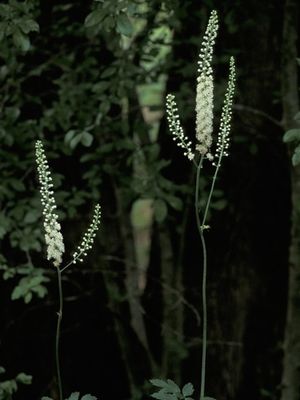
[176,128]
[53,236]
[205,88]
[225,123]
[88,238]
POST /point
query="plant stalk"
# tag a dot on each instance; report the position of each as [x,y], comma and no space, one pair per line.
[59,318]
[201,227]
[204,275]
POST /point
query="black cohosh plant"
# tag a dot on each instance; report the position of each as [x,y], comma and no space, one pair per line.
[55,249]
[168,390]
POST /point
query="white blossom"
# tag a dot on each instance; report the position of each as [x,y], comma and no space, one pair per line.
[88,238]
[176,128]
[225,123]
[204,113]
[53,236]
[205,86]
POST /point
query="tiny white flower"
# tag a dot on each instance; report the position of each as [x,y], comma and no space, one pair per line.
[176,128]
[53,236]
[88,238]
[225,123]
[205,87]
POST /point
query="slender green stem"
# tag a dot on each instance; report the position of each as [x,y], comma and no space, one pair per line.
[59,318]
[201,227]
[204,274]
[210,193]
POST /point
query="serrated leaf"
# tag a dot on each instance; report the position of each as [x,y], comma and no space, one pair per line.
[21,41]
[172,386]
[24,378]
[159,383]
[28,25]
[291,135]
[160,210]
[162,395]
[89,397]
[74,396]
[124,25]
[188,389]
[94,18]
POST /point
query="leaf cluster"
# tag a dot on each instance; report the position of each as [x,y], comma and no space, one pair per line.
[17,22]
[10,386]
[169,390]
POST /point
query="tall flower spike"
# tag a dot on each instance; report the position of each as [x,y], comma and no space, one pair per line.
[176,128]
[53,236]
[88,238]
[225,123]
[205,87]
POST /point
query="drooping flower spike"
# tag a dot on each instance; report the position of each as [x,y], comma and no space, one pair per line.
[176,128]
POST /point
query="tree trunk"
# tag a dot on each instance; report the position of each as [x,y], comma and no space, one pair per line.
[290,102]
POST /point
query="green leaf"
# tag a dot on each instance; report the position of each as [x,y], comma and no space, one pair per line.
[159,383]
[175,202]
[31,216]
[28,297]
[160,210]
[24,378]
[69,135]
[21,41]
[74,396]
[2,370]
[17,185]
[291,135]
[124,25]
[219,204]
[89,397]
[172,386]
[162,395]
[74,142]
[86,139]
[297,117]
[296,156]
[46,398]
[94,18]
[28,25]
[188,389]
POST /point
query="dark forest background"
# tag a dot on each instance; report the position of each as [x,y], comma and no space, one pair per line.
[89,79]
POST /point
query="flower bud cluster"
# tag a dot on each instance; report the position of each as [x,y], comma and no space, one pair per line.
[225,123]
[176,128]
[88,238]
[53,236]
[205,87]
[207,46]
